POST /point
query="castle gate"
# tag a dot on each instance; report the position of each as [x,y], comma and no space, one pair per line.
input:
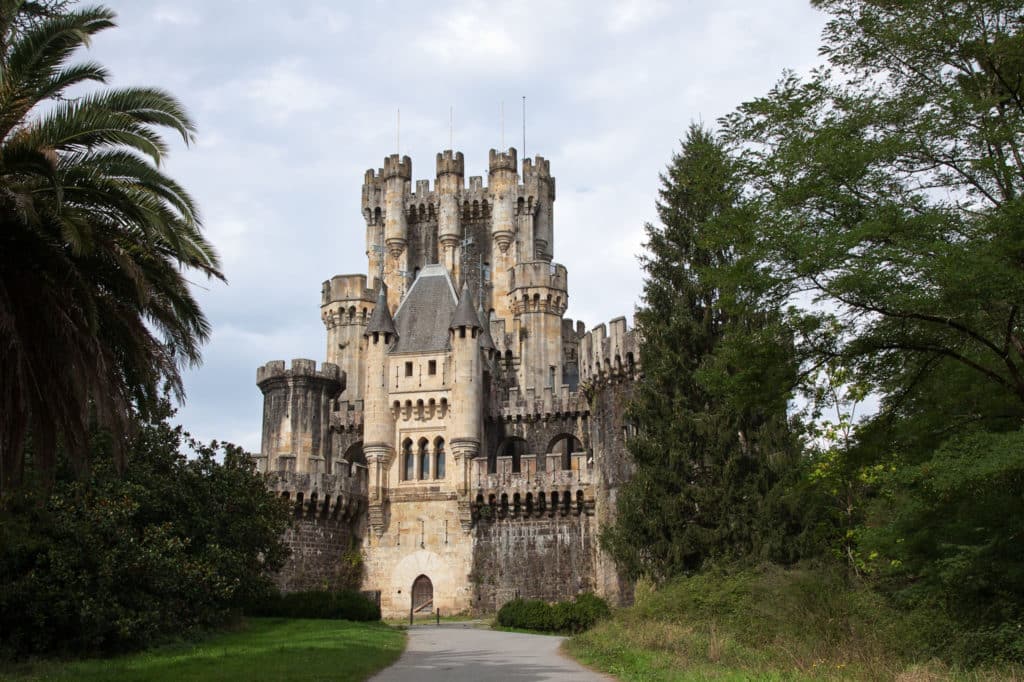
[422,595]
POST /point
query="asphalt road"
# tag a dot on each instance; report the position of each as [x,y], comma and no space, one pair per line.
[453,652]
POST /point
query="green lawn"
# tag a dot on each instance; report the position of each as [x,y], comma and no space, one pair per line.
[265,649]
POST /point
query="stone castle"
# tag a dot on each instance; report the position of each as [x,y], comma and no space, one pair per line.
[463,442]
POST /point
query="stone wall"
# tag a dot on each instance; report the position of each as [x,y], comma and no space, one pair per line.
[548,558]
[322,550]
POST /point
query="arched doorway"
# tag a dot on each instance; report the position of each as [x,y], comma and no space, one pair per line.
[422,595]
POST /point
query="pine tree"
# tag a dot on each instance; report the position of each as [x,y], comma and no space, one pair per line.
[705,442]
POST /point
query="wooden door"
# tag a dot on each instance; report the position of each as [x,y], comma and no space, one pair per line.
[422,595]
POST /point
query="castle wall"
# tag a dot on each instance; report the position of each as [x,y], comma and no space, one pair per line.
[325,534]
[422,536]
[548,557]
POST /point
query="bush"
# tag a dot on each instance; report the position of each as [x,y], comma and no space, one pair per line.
[111,562]
[344,605]
[567,616]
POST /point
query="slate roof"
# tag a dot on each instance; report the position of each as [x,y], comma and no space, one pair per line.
[465,314]
[423,315]
[380,319]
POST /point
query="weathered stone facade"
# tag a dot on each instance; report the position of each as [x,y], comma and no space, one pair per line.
[468,438]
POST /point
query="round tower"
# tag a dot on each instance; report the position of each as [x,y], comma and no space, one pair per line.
[378,420]
[297,406]
[448,186]
[503,189]
[539,187]
[345,308]
[397,181]
[467,386]
[538,300]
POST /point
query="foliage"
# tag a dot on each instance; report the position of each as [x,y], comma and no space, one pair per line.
[344,605]
[713,437]
[887,186]
[881,208]
[95,310]
[950,543]
[808,622]
[109,562]
[580,614]
[262,649]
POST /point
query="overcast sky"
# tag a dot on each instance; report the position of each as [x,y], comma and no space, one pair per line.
[295,100]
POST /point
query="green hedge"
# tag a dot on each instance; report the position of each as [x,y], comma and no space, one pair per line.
[566,616]
[344,605]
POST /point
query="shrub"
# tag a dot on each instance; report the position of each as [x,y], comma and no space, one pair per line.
[566,616]
[343,605]
[111,562]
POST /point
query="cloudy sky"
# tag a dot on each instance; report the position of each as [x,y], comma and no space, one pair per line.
[295,100]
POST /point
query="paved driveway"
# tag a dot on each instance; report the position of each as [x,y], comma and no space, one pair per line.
[453,652]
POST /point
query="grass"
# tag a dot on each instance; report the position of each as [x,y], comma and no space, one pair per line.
[264,649]
[770,624]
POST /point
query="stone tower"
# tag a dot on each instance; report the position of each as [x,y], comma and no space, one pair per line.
[472,437]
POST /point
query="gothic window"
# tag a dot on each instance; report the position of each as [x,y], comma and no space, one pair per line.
[424,460]
[408,461]
[439,458]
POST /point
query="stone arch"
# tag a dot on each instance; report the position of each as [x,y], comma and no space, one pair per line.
[354,455]
[439,458]
[512,445]
[423,460]
[565,444]
[422,594]
[408,461]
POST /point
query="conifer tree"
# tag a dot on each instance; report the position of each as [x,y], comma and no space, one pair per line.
[705,443]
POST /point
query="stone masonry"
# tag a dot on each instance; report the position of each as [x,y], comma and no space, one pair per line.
[463,442]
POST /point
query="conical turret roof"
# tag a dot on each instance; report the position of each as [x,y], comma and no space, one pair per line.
[381,321]
[465,315]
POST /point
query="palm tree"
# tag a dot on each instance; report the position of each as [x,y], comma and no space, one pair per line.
[96,316]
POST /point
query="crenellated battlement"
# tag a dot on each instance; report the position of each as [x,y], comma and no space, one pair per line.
[537,168]
[539,274]
[532,405]
[340,496]
[609,352]
[301,368]
[397,168]
[348,417]
[449,162]
[346,288]
[502,161]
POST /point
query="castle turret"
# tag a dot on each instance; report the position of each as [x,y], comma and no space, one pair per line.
[538,299]
[297,415]
[379,424]
[397,180]
[449,185]
[467,394]
[345,307]
[503,188]
[539,188]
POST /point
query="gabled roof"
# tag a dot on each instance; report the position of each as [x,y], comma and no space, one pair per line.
[465,314]
[422,316]
[380,320]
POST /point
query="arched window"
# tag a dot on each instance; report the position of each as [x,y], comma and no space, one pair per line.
[408,461]
[513,446]
[424,460]
[565,444]
[439,458]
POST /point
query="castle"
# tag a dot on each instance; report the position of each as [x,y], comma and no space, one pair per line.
[463,442]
